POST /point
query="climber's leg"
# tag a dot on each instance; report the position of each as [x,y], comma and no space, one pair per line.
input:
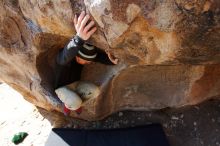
[71,100]
[76,94]
[86,90]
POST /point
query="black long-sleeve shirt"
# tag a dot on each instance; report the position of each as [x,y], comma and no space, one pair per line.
[68,69]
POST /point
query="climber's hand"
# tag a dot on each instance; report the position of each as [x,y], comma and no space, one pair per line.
[111,57]
[84,30]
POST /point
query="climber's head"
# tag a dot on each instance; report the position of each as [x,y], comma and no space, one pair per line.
[86,54]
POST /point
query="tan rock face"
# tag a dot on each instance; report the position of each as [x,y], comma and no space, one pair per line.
[169,51]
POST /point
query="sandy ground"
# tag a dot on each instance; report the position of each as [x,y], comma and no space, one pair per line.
[18,115]
[197,125]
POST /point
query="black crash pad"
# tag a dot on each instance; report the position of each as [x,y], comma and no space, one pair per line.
[149,135]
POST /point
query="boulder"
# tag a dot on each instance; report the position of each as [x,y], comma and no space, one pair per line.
[169,52]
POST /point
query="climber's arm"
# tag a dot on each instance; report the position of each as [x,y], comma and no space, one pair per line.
[84,28]
[70,50]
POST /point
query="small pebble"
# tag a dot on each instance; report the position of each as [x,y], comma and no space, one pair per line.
[213,120]
[201,142]
[181,116]
[195,129]
[194,123]
[174,118]
[120,114]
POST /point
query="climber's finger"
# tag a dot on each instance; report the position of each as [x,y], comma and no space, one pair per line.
[84,21]
[91,31]
[80,18]
[89,26]
[75,20]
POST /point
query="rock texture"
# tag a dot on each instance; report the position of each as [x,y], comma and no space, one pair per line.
[169,51]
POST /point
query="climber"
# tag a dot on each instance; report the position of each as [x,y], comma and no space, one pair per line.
[78,52]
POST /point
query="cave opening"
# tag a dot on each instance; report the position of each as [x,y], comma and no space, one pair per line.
[54,75]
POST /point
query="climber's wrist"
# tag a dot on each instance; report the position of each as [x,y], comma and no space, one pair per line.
[78,40]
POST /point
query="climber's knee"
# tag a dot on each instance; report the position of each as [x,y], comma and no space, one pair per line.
[71,100]
[87,90]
